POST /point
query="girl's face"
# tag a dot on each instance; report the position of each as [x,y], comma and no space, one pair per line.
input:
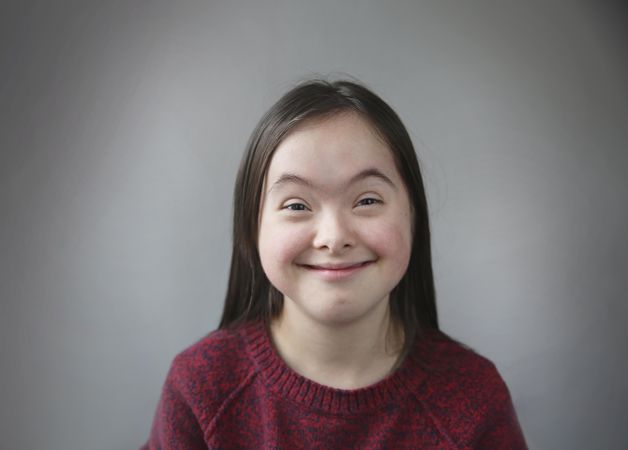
[335,221]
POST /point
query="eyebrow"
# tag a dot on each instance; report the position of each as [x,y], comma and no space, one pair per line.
[291,178]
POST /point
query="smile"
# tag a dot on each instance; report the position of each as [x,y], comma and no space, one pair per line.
[336,271]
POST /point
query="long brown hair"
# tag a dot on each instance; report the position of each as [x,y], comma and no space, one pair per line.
[250,295]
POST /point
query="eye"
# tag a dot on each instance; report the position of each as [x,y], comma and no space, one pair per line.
[368,201]
[295,207]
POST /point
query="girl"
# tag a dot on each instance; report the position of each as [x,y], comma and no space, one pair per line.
[329,336]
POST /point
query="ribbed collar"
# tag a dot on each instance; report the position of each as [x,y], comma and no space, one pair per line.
[287,383]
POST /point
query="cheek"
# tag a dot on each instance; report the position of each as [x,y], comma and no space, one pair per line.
[278,249]
[393,240]
[279,245]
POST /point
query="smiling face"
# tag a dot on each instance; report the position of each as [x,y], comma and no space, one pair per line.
[335,221]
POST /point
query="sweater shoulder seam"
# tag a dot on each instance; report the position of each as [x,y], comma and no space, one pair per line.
[437,423]
[211,428]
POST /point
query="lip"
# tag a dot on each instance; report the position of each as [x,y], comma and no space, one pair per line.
[336,271]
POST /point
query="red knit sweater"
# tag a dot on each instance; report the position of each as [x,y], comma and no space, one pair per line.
[232,390]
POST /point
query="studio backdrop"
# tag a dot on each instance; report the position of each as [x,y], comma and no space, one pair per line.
[122,124]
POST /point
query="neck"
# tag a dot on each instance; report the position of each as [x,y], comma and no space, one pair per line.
[343,356]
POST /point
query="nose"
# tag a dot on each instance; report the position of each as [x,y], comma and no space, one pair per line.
[334,233]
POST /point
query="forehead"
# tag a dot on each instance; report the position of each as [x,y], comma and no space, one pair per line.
[332,147]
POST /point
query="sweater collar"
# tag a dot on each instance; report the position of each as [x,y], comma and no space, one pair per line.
[284,381]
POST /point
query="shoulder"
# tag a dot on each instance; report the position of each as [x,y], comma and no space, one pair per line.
[453,363]
[201,380]
[218,347]
[463,390]
[206,373]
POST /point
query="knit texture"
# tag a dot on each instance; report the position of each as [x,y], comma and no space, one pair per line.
[232,390]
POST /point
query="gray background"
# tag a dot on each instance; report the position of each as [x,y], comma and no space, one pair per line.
[121,128]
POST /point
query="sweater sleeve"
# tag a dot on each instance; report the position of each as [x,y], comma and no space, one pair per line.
[175,426]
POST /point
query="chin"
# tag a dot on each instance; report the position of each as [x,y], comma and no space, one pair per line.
[342,312]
